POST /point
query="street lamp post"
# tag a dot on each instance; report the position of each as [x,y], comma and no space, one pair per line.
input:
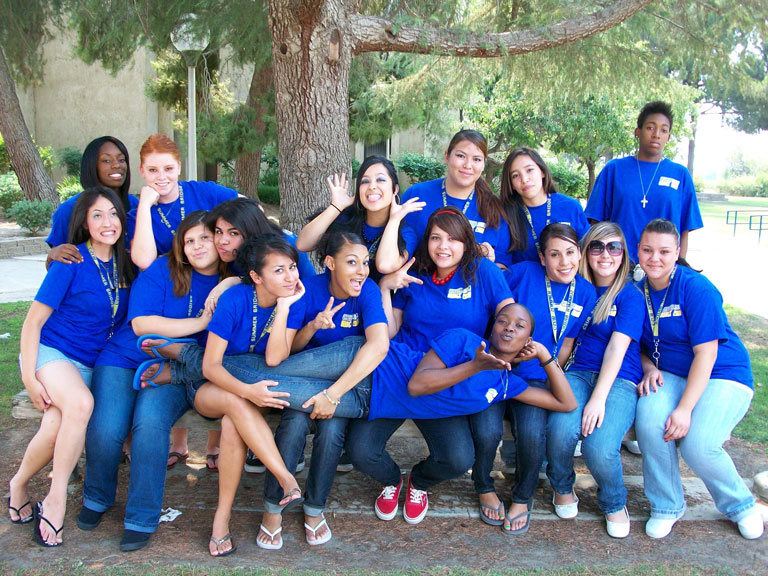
[191,38]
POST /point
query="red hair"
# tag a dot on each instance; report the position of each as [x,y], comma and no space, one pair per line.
[159,144]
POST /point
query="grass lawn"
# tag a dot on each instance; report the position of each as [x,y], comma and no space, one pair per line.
[719,209]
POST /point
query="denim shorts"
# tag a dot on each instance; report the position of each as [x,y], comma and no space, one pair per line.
[192,389]
[46,355]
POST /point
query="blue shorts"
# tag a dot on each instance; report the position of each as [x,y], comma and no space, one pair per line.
[46,355]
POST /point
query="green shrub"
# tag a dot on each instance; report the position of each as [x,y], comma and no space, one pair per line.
[739,186]
[269,194]
[569,181]
[32,215]
[5,160]
[10,191]
[420,168]
[69,187]
[355,166]
[46,155]
[69,158]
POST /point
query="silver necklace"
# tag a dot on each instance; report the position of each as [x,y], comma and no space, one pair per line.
[643,189]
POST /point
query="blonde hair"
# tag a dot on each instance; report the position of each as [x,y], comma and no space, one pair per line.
[601,231]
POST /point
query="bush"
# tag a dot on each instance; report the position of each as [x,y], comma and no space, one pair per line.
[570,182]
[32,215]
[5,160]
[69,187]
[46,155]
[69,158]
[10,191]
[420,168]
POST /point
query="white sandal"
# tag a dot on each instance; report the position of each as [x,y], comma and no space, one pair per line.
[271,535]
[323,539]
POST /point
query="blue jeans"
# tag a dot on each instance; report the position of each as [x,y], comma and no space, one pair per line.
[722,405]
[451,450]
[296,375]
[601,449]
[327,446]
[530,440]
[486,427]
[113,403]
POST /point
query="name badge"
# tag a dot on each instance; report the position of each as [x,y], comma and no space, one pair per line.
[613,311]
[460,293]
[669,182]
[350,320]
[477,227]
[490,395]
[673,310]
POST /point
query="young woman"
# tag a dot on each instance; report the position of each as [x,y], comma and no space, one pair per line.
[171,293]
[165,201]
[531,202]
[339,304]
[465,188]
[453,286]
[560,301]
[696,387]
[104,163]
[373,212]
[604,376]
[75,312]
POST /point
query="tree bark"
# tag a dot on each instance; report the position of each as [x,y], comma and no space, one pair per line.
[591,175]
[692,147]
[248,166]
[33,178]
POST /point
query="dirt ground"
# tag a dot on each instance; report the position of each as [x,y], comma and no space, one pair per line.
[445,539]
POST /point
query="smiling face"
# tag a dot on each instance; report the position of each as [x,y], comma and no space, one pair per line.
[279,277]
[511,331]
[465,163]
[603,264]
[376,188]
[561,259]
[349,268]
[652,137]
[103,223]
[160,171]
[657,255]
[528,180]
[228,239]
[199,249]
[112,166]
[445,251]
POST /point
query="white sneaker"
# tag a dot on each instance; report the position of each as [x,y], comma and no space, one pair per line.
[577,450]
[567,511]
[751,527]
[632,446]
[660,527]
[618,529]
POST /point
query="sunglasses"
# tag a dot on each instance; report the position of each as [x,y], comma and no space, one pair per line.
[614,248]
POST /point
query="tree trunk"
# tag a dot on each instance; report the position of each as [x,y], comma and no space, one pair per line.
[692,147]
[33,178]
[312,57]
[591,172]
[248,166]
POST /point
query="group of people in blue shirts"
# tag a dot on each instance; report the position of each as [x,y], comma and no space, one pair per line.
[448,305]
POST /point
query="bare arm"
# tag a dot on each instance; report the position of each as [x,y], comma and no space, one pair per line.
[684,243]
[65,253]
[559,398]
[143,247]
[594,410]
[388,257]
[340,199]
[565,351]
[171,327]
[29,344]
[281,337]
[323,321]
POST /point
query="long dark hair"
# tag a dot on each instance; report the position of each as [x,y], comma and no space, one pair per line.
[179,266]
[246,215]
[452,221]
[488,205]
[254,252]
[513,202]
[89,171]
[332,242]
[78,228]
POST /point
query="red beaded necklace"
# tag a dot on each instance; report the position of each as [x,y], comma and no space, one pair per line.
[441,281]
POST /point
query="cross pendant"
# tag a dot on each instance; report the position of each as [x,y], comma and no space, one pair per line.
[644,201]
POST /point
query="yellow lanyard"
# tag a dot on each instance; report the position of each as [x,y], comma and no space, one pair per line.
[655,319]
[254,322]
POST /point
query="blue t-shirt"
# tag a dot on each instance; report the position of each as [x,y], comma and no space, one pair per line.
[431,192]
[526,280]
[358,312]
[80,324]
[233,321]
[390,397]
[152,295]
[197,196]
[60,221]
[693,314]
[626,317]
[618,194]
[563,209]
[429,310]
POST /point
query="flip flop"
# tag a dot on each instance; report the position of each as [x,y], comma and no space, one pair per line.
[167,342]
[211,462]
[322,539]
[18,510]
[179,458]
[526,526]
[37,536]
[137,381]
[492,521]
[219,541]
[291,501]
[271,535]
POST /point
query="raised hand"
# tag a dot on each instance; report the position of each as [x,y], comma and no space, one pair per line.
[148,195]
[339,187]
[485,361]
[399,211]
[399,278]
[324,318]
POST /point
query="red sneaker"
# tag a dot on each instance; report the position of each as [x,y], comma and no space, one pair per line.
[416,504]
[386,503]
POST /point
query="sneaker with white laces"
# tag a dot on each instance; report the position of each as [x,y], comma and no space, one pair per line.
[387,502]
[752,526]
[416,504]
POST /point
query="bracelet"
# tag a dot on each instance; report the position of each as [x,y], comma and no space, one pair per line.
[551,359]
[337,208]
[331,400]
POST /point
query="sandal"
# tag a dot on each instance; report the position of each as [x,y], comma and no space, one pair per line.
[156,347]
[212,462]
[138,383]
[524,528]
[291,500]
[18,510]
[323,539]
[271,535]
[219,541]
[37,536]
[179,458]
[492,521]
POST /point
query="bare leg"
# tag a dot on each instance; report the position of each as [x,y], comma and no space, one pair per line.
[178,444]
[149,374]
[231,460]
[170,351]
[490,501]
[212,448]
